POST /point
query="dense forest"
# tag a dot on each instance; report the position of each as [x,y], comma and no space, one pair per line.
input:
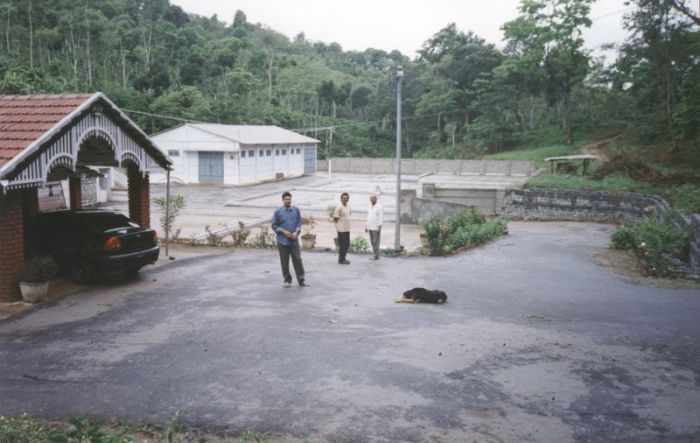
[462,96]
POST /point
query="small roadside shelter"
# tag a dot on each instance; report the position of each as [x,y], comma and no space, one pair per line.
[235,154]
[52,138]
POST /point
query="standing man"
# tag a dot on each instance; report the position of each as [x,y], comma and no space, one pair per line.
[286,222]
[375,219]
[341,217]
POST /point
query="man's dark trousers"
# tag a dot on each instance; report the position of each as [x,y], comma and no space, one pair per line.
[293,251]
[343,245]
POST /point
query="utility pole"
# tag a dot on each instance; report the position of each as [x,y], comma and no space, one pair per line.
[329,143]
[397,235]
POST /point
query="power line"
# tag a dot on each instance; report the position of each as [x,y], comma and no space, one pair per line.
[168,117]
[610,14]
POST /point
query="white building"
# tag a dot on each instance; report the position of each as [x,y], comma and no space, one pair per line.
[234,154]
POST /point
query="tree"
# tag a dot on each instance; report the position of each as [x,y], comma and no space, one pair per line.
[659,65]
[546,37]
[455,61]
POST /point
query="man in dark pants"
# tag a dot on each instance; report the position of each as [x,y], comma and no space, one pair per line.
[341,216]
[286,222]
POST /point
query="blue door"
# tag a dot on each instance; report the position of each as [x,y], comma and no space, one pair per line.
[309,161]
[211,167]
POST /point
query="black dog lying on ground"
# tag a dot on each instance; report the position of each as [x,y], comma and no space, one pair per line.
[422,295]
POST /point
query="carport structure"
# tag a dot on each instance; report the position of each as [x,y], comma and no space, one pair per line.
[48,138]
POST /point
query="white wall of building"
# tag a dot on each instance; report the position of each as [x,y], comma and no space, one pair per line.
[243,164]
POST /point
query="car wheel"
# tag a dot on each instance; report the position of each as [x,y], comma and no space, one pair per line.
[82,271]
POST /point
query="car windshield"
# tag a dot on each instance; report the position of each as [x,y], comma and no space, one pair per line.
[103,221]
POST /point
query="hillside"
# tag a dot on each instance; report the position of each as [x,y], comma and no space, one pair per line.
[463,97]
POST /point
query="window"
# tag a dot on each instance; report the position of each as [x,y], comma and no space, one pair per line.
[251,153]
[277,152]
[284,152]
[242,154]
[298,150]
[173,153]
[268,152]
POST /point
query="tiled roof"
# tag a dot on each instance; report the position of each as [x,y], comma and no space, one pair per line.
[24,118]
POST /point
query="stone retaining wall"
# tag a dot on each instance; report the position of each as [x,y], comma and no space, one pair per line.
[422,166]
[566,204]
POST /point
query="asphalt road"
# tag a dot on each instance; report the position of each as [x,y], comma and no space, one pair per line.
[537,342]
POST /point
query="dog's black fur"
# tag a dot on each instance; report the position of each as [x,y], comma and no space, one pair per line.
[422,295]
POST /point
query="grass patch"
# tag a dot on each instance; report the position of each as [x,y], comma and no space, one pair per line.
[608,183]
[27,429]
[685,198]
[537,154]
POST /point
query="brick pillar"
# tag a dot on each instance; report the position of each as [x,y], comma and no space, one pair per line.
[139,198]
[30,208]
[76,193]
[11,245]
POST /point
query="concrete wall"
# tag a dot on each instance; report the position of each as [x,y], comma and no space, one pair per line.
[424,208]
[559,204]
[422,166]
[89,191]
[487,201]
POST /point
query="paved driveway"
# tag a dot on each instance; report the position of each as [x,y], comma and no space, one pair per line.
[536,343]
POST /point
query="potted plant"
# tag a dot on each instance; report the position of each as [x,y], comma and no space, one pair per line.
[330,210]
[308,238]
[38,270]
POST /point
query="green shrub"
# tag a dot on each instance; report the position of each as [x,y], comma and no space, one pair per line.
[435,228]
[624,239]
[264,239]
[359,245]
[653,240]
[462,230]
[240,236]
[177,203]
[39,268]
[686,198]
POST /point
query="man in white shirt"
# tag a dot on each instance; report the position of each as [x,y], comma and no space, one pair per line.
[341,217]
[375,219]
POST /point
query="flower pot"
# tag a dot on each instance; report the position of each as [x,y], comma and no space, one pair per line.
[34,292]
[308,241]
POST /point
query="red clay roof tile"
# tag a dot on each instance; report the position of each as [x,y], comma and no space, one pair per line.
[24,118]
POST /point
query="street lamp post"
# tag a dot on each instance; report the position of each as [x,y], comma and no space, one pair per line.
[399,81]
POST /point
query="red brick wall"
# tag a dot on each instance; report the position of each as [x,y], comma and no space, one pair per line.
[11,245]
[76,193]
[139,198]
[30,208]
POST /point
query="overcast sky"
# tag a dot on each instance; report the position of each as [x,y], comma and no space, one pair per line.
[394,24]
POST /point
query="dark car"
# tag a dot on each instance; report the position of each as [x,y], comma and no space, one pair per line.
[93,244]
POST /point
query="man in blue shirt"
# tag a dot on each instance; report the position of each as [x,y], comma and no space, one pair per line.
[286,222]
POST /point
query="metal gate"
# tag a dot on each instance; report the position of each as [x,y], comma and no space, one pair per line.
[309,161]
[211,167]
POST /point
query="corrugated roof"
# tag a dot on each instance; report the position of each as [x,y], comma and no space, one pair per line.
[24,118]
[254,134]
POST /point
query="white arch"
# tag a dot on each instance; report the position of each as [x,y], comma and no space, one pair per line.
[57,160]
[95,131]
[133,157]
